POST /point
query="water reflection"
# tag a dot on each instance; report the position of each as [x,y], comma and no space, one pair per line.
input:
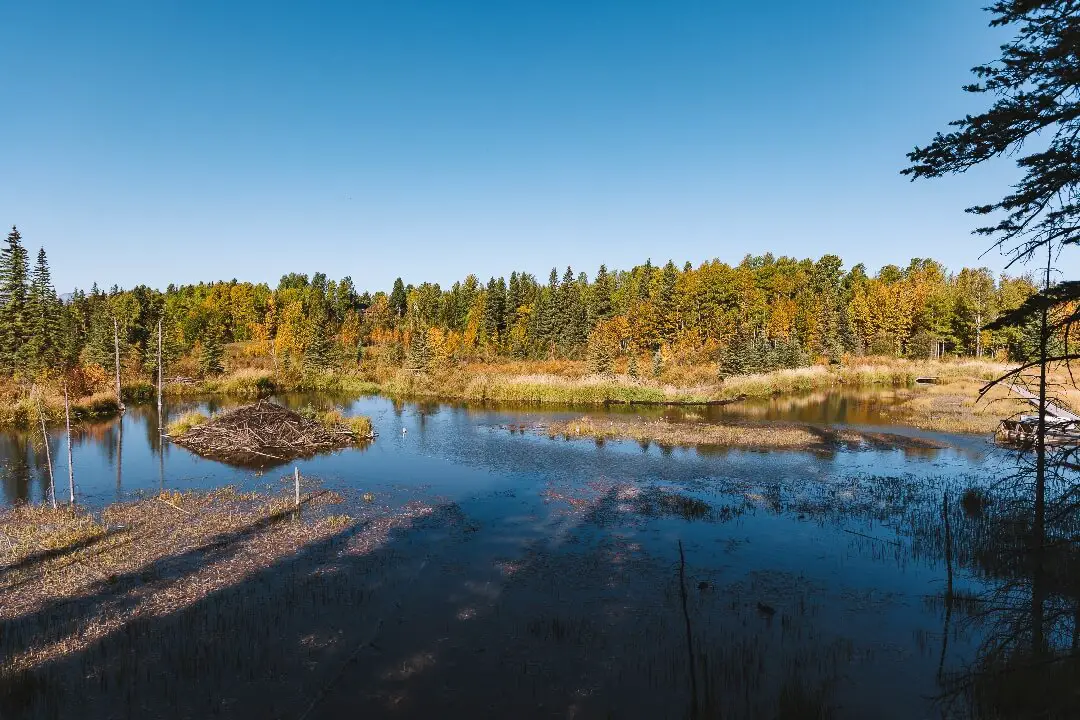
[849,584]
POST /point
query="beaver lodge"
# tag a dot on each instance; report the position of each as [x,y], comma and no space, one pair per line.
[266,433]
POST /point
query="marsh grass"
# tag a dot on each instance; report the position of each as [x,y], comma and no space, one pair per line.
[570,383]
[360,425]
[750,436]
[186,422]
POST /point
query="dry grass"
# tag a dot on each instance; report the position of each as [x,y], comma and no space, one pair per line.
[955,406]
[148,557]
[569,382]
[761,436]
[360,425]
[186,422]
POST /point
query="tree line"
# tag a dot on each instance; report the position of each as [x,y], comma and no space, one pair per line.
[764,313]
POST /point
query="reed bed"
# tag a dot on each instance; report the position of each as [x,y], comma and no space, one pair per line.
[763,436]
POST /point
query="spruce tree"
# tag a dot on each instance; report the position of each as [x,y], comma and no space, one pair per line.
[602,291]
[513,298]
[495,311]
[318,352]
[42,317]
[13,301]
[418,356]
[212,353]
[399,298]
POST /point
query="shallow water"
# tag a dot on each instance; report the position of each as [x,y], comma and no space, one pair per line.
[552,586]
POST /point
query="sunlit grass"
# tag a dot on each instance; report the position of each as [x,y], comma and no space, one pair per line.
[186,422]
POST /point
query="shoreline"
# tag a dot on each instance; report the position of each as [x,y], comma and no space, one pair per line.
[949,405]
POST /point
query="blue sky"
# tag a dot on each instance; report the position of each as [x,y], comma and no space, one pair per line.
[186,140]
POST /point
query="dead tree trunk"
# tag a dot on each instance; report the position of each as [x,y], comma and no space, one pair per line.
[160,375]
[71,468]
[116,360]
[48,455]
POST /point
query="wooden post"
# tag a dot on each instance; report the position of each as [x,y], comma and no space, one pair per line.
[296,479]
[71,469]
[48,455]
[116,349]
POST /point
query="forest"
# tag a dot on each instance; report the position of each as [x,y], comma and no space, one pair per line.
[763,314]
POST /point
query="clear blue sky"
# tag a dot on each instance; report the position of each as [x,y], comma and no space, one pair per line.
[186,140]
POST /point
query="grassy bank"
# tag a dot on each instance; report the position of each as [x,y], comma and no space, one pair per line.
[24,412]
[746,436]
[570,383]
[260,383]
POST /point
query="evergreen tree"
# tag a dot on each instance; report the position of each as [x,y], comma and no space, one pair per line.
[13,304]
[665,316]
[632,368]
[513,298]
[572,322]
[495,311]
[657,363]
[603,290]
[212,353]
[418,357]
[42,317]
[399,299]
[319,348]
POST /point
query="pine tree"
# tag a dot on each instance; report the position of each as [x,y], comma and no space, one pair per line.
[513,298]
[319,348]
[399,299]
[602,291]
[212,353]
[418,357]
[657,363]
[495,311]
[632,369]
[42,317]
[571,315]
[13,301]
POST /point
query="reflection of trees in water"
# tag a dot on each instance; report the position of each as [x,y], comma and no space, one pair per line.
[1028,663]
[24,465]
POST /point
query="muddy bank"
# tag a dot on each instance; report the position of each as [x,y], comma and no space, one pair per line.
[748,436]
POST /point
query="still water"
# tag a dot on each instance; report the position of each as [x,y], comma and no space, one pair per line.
[809,584]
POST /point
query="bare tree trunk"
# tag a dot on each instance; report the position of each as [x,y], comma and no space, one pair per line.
[160,376]
[1039,525]
[116,349]
[71,468]
[48,455]
[978,334]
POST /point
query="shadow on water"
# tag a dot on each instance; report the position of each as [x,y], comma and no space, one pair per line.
[437,620]
[548,582]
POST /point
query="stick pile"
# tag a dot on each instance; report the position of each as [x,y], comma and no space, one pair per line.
[264,433]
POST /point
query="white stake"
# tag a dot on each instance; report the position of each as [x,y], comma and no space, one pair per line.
[296,478]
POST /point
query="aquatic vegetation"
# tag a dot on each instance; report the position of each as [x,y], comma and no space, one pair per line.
[751,436]
[186,422]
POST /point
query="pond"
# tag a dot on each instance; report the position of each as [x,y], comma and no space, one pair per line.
[577,578]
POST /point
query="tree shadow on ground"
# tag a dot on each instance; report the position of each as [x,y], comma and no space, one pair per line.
[438,616]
